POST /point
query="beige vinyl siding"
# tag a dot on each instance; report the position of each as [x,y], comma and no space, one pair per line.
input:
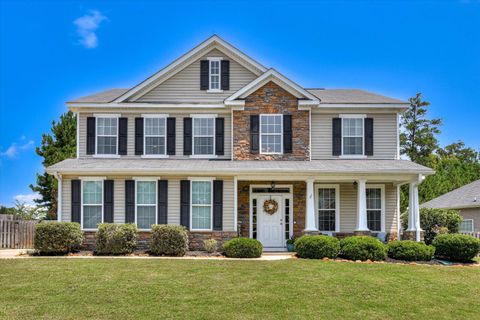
[179,131]
[185,85]
[384,135]
[173,199]
[348,207]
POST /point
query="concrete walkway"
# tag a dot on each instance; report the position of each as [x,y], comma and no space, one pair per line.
[12,253]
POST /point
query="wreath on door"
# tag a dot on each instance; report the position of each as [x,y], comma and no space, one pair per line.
[270,206]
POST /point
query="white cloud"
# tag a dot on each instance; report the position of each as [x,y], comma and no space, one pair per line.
[86,27]
[27,198]
[15,148]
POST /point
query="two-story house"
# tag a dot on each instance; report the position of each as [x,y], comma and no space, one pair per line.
[222,145]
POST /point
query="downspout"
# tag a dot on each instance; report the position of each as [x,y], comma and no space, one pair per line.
[59,195]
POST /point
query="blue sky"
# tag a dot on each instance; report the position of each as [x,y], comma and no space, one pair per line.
[53,51]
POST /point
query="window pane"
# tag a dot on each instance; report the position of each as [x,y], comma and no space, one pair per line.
[107,145]
[352,146]
[203,126]
[203,145]
[271,144]
[155,126]
[374,221]
[145,216]
[107,126]
[466,226]
[201,192]
[92,192]
[146,192]
[154,145]
[201,217]
[326,209]
[92,216]
[374,206]
[352,127]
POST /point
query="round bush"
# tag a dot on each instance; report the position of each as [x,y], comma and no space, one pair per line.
[243,248]
[115,239]
[410,250]
[210,245]
[317,247]
[363,248]
[169,240]
[456,247]
[57,237]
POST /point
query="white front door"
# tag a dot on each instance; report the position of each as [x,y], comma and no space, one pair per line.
[270,224]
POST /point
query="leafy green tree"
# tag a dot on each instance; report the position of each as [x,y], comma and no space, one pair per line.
[58,146]
[28,212]
[6,210]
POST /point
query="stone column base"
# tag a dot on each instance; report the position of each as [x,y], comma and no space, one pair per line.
[362,233]
[311,233]
[412,235]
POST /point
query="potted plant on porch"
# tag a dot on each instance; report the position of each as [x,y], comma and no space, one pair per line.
[291,244]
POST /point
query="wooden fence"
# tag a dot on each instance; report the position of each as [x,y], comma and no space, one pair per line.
[16,234]
[473,234]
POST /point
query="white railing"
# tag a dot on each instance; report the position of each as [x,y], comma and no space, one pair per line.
[473,234]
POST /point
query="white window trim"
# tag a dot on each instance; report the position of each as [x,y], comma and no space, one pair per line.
[281,132]
[473,226]
[382,198]
[106,115]
[353,156]
[204,116]
[210,90]
[337,205]
[154,156]
[89,179]
[210,180]
[143,179]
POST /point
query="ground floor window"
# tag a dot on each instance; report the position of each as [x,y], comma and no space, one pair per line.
[146,195]
[374,209]
[466,225]
[202,198]
[327,206]
[92,204]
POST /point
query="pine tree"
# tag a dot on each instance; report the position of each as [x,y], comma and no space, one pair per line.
[55,148]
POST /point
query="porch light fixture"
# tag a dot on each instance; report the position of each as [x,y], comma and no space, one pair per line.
[273,185]
[355,184]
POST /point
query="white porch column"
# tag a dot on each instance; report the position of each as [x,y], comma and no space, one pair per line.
[310,225]
[59,196]
[414,211]
[235,203]
[362,206]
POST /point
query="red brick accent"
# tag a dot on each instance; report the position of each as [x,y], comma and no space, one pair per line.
[271,98]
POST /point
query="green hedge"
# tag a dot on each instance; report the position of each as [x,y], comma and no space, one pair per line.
[169,240]
[363,248]
[243,248]
[115,239]
[456,247]
[317,247]
[410,250]
[57,237]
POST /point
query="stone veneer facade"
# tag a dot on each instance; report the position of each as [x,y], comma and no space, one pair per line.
[273,99]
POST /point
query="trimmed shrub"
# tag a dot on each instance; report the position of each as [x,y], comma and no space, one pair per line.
[410,250]
[317,247]
[115,239]
[456,247]
[243,248]
[363,248]
[168,240]
[210,245]
[58,237]
[435,221]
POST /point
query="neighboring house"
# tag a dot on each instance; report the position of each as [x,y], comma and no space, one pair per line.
[218,143]
[466,200]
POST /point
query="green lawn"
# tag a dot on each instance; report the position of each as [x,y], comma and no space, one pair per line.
[138,289]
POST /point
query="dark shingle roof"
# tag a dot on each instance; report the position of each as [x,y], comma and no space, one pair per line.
[100,97]
[463,197]
[351,96]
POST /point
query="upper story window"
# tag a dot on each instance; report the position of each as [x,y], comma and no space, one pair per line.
[214,74]
[107,135]
[92,203]
[203,135]
[146,204]
[155,135]
[375,208]
[352,136]
[201,203]
[271,134]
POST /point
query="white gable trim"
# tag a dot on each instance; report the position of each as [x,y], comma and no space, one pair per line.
[214,41]
[279,79]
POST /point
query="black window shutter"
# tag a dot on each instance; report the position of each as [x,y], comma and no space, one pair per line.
[369,136]
[185,203]
[187,136]
[162,201]
[225,73]
[204,70]
[171,136]
[287,134]
[138,136]
[91,135]
[129,201]
[108,201]
[217,205]
[219,136]
[336,136]
[254,134]
[122,136]
[76,200]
